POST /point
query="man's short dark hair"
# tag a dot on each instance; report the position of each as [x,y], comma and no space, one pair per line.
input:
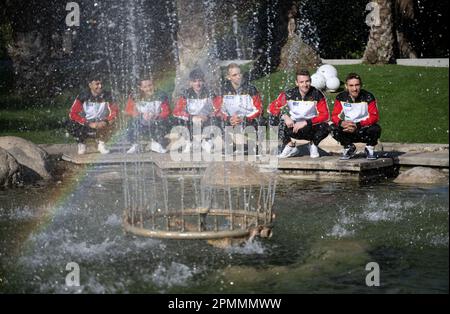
[93,76]
[145,77]
[145,74]
[196,74]
[302,72]
[352,76]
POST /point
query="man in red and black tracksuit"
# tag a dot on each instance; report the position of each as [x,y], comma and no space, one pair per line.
[150,111]
[93,115]
[196,105]
[355,116]
[240,104]
[304,114]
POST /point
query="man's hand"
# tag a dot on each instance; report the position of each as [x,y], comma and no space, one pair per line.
[97,125]
[349,126]
[288,121]
[298,126]
[235,120]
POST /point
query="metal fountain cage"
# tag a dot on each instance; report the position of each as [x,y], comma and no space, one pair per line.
[234,200]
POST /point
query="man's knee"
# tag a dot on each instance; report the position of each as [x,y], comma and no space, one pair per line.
[322,132]
[374,131]
[335,130]
[324,128]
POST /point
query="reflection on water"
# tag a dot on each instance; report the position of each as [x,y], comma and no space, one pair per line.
[324,235]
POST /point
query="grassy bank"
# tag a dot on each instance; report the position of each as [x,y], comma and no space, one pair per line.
[413,101]
[413,104]
[40,121]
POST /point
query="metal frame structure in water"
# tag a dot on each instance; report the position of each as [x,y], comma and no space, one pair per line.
[234,201]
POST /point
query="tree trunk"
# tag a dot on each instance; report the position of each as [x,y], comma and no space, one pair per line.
[35,46]
[404,15]
[195,45]
[28,52]
[404,46]
[380,46]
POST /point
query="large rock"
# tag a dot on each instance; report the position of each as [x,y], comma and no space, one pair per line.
[32,157]
[9,169]
[421,175]
[325,258]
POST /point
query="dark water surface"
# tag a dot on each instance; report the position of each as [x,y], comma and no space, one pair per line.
[324,236]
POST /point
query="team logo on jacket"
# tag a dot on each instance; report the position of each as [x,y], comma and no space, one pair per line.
[356,112]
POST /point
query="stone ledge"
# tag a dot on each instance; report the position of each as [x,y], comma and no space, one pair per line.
[422,62]
[406,148]
[429,159]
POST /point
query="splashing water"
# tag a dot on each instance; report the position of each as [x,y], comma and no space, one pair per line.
[350,225]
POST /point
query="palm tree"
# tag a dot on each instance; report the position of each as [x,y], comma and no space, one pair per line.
[385,40]
[404,13]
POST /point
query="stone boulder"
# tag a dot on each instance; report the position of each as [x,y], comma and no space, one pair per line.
[9,169]
[34,159]
[421,175]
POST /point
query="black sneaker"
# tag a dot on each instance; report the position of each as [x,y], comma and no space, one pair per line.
[349,152]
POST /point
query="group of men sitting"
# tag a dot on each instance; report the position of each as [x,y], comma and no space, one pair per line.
[300,113]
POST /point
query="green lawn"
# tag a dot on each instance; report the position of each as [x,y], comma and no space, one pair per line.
[413,104]
[36,120]
[413,101]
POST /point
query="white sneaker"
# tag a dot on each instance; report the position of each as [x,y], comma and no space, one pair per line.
[313,151]
[102,148]
[156,147]
[288,151]
[207,146]
[370,154]
[81,149]
[133,149]
[187,148]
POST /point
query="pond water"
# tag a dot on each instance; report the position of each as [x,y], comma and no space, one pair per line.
[324,236]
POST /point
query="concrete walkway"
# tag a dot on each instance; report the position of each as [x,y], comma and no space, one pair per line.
[392,156]
[419,62]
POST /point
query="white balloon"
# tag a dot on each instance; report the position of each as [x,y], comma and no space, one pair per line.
[328,71]
[333,84]
[318,81]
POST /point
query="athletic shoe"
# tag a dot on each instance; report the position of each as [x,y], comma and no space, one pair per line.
[207,146]
[81,149]
[133,149]
[156,147]
[288,151]
[102,148]
[349,152]
[313,151]
[370,154]
[187,148]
